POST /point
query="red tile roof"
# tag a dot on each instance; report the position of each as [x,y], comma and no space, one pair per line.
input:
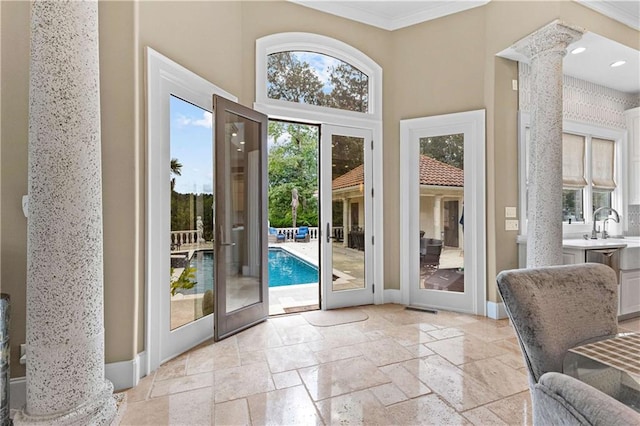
[353,177]
[432,172]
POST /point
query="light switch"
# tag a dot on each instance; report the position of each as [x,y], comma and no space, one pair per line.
[510,212]
[510,225]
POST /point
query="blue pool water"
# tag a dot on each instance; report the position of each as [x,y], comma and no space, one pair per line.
[284,269]
[287,269]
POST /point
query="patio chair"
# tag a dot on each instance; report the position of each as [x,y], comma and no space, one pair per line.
[303,234]
[275,236]
[430,250]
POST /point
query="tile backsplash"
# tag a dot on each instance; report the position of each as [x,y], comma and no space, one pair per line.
[634,219]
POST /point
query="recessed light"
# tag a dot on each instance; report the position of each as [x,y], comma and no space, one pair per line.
[578,50]
[241,142]
[617,64]
[234,134]
[239,149]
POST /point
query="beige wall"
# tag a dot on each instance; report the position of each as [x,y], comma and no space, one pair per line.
[15,98]
[442,66]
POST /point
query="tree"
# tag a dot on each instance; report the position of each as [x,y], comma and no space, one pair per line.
[350,88]
[291,80]
[176,169]
[293,163]
[448,149]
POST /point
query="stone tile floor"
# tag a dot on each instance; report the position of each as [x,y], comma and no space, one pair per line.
[398,367]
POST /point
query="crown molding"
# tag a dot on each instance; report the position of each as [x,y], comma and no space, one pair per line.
[614,10]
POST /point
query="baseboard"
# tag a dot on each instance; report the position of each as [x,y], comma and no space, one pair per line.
[392,296]
[17,393]
[496,310]
[126,374]
[123,375]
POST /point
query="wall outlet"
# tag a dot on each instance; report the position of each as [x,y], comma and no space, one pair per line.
[510,212]
[510,225]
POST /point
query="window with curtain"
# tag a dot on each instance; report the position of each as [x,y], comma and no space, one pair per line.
[587,175]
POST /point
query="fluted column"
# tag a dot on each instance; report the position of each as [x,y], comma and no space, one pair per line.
[65,331]
[546,48]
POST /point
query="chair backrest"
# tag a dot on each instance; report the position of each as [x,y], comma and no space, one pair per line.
[303,230]
[555,308]
[561,399]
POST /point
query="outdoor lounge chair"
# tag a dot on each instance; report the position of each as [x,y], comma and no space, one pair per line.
[275,237]
[303,234]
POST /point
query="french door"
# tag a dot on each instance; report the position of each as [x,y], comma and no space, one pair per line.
[206,223]
[442,210]
[241,280]
[346,217]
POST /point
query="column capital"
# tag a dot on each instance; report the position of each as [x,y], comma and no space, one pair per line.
[553,37]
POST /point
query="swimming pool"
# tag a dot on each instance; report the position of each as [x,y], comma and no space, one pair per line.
[285,269]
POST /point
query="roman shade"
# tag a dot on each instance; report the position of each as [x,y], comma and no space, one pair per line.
[602,160]
[573,148]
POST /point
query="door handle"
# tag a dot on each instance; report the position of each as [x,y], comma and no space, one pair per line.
[329,236]
[227,244]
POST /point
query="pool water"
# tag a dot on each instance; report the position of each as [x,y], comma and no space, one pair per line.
[284,269]
[288,269]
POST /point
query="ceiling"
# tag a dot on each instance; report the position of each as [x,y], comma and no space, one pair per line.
[592,65]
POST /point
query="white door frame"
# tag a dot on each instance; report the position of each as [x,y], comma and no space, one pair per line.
[164,78]
[343,298]
[472,123]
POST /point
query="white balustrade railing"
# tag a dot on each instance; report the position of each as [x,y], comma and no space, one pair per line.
[190,236]
[193,236]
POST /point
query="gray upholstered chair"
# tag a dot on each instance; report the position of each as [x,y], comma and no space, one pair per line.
[563,400]
[555,308]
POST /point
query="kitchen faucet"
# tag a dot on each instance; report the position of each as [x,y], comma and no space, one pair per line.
[616,218]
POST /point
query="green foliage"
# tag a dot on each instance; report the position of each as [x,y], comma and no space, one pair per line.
[350,88]
[185,208]
[293,163]
[293,80]
[347,154]
[448,149]
[185,281]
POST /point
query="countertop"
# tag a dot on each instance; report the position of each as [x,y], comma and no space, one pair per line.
[582,244]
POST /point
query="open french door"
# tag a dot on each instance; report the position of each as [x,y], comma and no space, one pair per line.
[347,217]
[240,243]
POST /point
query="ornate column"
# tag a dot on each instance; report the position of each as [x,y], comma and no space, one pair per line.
[65,333]
[545,48]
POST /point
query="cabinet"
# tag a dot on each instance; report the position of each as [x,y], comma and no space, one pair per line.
[629,292]
[632,117]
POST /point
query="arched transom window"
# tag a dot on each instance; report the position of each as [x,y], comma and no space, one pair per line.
[316,71]
[316,79]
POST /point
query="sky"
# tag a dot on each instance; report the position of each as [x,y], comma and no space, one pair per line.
[191,142]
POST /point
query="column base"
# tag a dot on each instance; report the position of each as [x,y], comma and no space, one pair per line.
[101,411]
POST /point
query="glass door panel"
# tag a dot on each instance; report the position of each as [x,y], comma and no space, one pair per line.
[441,222]
[241,282]
[191,186]
[347,215]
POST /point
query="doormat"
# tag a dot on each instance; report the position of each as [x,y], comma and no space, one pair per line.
[296,309]
[335,317]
